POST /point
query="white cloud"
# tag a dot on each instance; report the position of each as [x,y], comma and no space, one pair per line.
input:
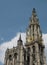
[9,44]
[13,42]
[45,43]
[45,39]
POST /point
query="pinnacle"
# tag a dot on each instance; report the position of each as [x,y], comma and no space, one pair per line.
[20,40]
[34,18]
[20,37]
[34,11]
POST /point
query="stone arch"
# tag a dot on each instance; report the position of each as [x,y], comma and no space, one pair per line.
[15,55]
[10,57]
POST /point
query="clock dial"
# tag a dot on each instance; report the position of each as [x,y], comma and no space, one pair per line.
[29,39]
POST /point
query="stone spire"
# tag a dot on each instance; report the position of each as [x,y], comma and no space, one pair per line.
[34,32]
[20,37]
[20,40]
[34,12]
[34,18]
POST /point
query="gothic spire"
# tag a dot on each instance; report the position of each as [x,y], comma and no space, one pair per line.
[33,32]
[33,11]
[20,37]
[34,18]
[20,40]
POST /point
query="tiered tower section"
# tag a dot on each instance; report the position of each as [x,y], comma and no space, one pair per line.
[33,31]
[34,44]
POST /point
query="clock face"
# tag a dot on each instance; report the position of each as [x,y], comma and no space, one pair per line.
[30,39]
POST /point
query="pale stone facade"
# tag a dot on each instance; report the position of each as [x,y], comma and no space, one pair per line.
[33,51]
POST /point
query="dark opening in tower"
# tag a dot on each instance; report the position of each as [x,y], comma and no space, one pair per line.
[33,55]
[28,56]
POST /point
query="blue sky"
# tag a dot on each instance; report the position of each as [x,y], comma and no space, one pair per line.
[14,16]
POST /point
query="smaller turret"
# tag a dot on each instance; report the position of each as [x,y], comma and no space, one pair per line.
[20,40]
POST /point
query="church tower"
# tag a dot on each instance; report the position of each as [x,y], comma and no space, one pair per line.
[32,53]
[34,43]
[15,55]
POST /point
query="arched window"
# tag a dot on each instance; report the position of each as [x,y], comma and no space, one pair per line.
[33,53]
[24,57]
[10,57]
[28,56]
[33,49]
[15,55]
[28,60]
[28,49]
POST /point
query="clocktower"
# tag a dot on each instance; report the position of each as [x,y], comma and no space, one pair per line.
[33,31]
[34,44]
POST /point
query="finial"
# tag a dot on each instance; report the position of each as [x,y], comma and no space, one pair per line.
[20,37]
[33,10]
[20,40]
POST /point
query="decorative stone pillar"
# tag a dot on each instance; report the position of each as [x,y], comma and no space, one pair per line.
[13,61]
[37,53]
[8,62]
[31,51]
[21,56]
[35,32]
[31,30]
